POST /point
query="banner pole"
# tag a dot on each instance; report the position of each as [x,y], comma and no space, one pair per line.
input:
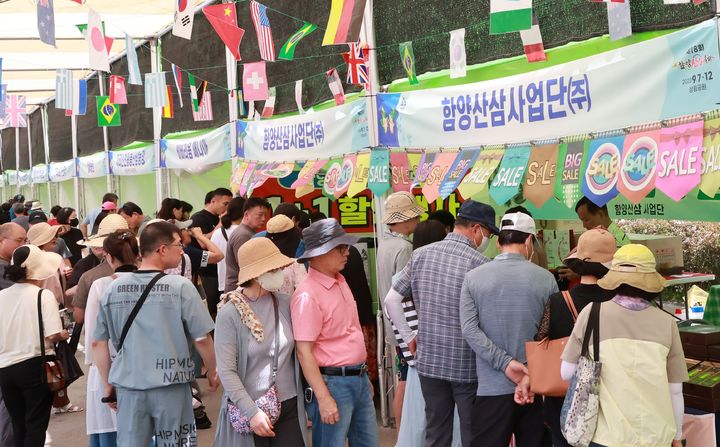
[30,162]
[17,158]
[46,146]
[76,179]
[106,141]
[157,125]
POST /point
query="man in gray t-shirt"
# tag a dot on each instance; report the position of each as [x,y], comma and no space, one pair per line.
[152,371]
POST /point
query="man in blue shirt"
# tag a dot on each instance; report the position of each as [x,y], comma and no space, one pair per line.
[152,371]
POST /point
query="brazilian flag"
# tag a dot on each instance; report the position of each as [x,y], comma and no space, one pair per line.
[287,52]
[108,113]
[408,61]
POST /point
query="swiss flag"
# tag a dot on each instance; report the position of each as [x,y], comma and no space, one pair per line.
[117,90]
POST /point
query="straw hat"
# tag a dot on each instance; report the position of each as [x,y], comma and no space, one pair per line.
[279,224]
[401,207]
[38,264]
[110,224]
[41,233]
[634,265]
[596,245]
[257,256]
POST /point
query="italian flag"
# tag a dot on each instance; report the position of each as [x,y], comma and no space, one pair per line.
[507,16]
[532,43]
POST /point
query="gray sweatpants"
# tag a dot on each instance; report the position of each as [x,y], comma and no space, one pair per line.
[164,412]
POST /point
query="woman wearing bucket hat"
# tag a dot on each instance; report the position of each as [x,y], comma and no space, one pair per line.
[590,261]
[27,397]
[253,339]
[643,365]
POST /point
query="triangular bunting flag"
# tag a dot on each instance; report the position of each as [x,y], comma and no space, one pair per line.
[262,30]
[287,52]
[532,42]
[255,86]
[118,95]
[223,18]
[458,63]
[269,107]
[177,75]
[335,86]
[184,17]
[408,61]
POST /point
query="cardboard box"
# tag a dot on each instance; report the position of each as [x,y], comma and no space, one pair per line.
[668,251]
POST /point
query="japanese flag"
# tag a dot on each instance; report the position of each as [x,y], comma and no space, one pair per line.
[96,43]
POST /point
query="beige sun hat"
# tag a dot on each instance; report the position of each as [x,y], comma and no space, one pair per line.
[257,256]
[400,207]
[634,265]
[38,264]
[42,233]
[279,224]
[596,245]
[110,224]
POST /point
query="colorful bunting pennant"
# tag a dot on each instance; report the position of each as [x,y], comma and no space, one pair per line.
[602,169]
[167,110]
[177,76]
[541,172]
[458,62]
[570,163]
[431,188]
[400,176]
[710,180]
[262,30]
[46,21]
[638,166]
[360,176]
[423,170]
[96,43]
[238,173]
[619,22]
[408,61]
[79,104]
[108,113]
[246,178]
[298,96]
[335,86]
[532,42]
[63,88]
[205,111]
[255,86]
[379,173]
[357,70]
[346,17]
[338,177]
[463,162]
[134,76]
[477,179]
[287,52]
[15,111]
[184,18]
[680,159]
[509,176]
[509,16]
[118,95]
[223,18]
[155,91]
[305,180]
[269,107]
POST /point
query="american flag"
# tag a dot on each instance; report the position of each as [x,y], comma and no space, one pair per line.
[357,72]
[15,112]
[205,112]
[263,31]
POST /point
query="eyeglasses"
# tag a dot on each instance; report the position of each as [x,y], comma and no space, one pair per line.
[342,248]
[179,244]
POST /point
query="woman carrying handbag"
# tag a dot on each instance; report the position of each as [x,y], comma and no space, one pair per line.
[23,352]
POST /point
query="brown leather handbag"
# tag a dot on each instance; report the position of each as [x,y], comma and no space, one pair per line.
[52,370]
[543,360]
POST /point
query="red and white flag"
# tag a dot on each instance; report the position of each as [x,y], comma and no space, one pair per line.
[118,95]
[269,107]
[97,45]
[335,86]
[532,42]
[204,112]
[263,31]
[255,85]
[177,74]
[357,70]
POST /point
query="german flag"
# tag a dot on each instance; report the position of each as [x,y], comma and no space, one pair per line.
[346,17]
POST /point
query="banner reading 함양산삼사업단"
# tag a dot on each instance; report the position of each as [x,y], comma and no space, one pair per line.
[666,77]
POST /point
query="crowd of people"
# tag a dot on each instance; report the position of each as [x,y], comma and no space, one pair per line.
[275,306]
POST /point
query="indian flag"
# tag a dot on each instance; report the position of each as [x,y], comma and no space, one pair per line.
[507,16]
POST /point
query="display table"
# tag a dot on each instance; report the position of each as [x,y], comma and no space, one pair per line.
[685,279]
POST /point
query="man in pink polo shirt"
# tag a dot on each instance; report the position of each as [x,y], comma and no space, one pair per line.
[330,344]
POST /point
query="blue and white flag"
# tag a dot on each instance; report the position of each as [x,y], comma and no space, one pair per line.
[3,95]
[46,21]
[79,106]
[155,90]
[63,89]
[134,76]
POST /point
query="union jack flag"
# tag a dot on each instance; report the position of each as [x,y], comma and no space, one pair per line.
[263,31]
[15,112]
[357,72]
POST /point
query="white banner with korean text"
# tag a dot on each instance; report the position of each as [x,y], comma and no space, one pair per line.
[92,166]
[186,153]
[136,161]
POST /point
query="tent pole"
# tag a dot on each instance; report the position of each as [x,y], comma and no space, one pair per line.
[106,141]
[76,179]
[46,144]
[30,162]
[232,99]
[157,125]
[17,157]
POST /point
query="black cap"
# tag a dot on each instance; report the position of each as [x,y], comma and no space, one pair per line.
[37,217]
[480,213]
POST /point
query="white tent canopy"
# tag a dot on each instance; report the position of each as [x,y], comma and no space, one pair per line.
[29,65]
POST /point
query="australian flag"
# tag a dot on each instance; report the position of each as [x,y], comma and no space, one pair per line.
[46,21]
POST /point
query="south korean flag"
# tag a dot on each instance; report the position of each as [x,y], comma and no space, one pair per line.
[184,16]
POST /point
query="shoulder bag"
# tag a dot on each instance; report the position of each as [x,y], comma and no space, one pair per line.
[543,360]
[579,414]
[136,309]
[269,402]
[52,371]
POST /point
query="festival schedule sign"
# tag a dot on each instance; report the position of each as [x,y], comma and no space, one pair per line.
[61,171]
[573,98]
[184,153]
[133,161]
[92,166]
[325,134]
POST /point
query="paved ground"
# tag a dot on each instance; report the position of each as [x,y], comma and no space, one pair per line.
[68,430]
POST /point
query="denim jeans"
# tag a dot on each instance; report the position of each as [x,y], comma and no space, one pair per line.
[357,414]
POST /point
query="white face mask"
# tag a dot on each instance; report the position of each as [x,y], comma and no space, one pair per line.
[483,245]
[272,281]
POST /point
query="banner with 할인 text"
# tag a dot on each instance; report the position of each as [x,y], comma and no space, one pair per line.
[614,89]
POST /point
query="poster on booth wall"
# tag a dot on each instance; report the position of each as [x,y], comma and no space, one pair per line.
[185,153]
[92,166]
[39,174]
[63,170]
[328,133]
[567,99]
[133,161]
